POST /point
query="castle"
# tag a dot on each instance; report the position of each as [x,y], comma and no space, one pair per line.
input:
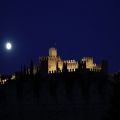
[54,64]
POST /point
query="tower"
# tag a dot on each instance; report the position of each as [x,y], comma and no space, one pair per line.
[52,52]
[52,60]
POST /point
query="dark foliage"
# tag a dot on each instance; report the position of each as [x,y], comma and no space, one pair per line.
[76,95]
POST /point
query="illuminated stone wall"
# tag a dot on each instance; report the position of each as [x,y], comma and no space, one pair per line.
[60,65]
[52,64]
[52,52]
[54,60]
[72,65]
[90,63]
[55,63]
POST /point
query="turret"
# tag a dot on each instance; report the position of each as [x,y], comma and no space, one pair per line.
[53,52]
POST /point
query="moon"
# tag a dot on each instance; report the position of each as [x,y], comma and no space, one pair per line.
[8,46]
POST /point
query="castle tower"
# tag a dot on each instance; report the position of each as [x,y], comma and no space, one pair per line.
[52,52]
[52,60]
[89,62]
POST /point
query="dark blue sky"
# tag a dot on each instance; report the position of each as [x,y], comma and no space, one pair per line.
[79,28]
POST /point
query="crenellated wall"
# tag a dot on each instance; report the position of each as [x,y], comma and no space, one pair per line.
[71,65]
[56,65]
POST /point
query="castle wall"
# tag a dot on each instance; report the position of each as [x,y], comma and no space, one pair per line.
[52,64]
[72,65]
[55,64]
[90,64]
[60,65]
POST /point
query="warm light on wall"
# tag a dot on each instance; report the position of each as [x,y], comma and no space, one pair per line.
[55,63]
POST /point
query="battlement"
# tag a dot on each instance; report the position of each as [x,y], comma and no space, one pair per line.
[54,64]
[54,71]
[69,61]
[87,58]
[71,70]
[43,58]
[94,70]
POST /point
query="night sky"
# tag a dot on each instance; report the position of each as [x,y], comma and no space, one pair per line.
[76,28]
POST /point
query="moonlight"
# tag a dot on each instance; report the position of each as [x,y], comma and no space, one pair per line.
[8,46]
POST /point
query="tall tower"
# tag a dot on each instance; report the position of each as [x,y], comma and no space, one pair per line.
[52,60]
[52,52]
